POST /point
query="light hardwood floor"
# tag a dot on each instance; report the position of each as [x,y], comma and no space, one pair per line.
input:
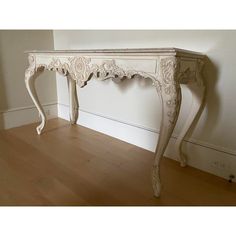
[73,165]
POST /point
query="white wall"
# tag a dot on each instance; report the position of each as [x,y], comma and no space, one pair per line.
[14,99]
[136,103]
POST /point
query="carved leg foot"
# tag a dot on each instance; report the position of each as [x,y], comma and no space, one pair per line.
[73,100]
[30,76]
[156,181]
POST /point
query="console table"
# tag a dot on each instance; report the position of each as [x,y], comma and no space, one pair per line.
[166,67]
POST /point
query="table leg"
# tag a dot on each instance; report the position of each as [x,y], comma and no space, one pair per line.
[73,100]
[198,94]
[30,77]
[169,92]
[170,111]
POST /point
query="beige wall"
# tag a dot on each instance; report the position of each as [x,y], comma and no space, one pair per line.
[136,103]
[13,62]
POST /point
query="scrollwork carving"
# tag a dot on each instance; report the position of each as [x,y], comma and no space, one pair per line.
[186,76]
[199,69]
[32,66]
[169,68]
[194,75]
[81,70]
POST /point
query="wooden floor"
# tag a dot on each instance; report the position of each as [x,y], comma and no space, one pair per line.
[73,165]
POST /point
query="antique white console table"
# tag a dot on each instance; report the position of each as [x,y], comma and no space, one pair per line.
[166,67]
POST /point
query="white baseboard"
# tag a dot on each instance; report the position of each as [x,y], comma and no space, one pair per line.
[210,158]
[25,115]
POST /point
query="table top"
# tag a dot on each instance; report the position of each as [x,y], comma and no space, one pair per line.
[155,51]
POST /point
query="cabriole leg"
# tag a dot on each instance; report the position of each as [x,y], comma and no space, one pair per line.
[198,94]
[30,77]
[169,91]
[170,111]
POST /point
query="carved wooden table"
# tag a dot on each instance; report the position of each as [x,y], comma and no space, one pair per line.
[166,67]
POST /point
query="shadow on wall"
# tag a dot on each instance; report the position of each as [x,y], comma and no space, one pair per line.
[212,97]
[211,103]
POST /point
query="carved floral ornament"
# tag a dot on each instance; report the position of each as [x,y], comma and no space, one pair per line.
[81,70]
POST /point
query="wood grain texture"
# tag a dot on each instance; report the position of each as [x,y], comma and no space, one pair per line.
[73,165]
